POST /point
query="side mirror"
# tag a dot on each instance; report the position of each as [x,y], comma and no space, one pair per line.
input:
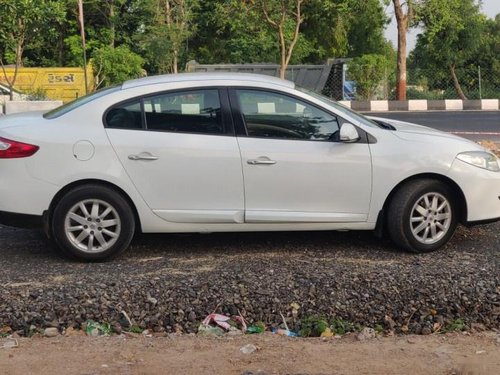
[348,133]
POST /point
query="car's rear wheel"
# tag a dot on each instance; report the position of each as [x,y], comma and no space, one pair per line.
[92,222]
[422,215]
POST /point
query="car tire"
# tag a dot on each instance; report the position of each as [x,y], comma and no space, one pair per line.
[92,222]
[422,215]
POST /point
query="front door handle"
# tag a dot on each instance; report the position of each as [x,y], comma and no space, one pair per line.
[143,156]
[261,161]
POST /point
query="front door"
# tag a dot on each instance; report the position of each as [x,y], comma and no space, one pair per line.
[178,151]
[294,170]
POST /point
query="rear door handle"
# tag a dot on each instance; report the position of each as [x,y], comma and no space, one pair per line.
[143,156]
[260,162]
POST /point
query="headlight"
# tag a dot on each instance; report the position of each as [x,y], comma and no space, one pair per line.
[480,159]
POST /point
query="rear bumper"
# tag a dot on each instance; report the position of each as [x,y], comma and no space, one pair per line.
[17,220]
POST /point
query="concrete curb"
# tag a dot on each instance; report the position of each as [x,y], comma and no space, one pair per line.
[423,105]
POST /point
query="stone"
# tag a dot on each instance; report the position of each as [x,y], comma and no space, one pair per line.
[366,334]
[51,332]
[249,349]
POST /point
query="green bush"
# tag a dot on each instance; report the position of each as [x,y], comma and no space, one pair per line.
[114,65]
[368,71]
[38,93]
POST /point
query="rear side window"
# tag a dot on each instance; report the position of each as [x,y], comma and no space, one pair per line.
[273,115]
[193,111]
[186,112]
[125,116]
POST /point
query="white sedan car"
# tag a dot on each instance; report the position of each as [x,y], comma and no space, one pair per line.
[234,152]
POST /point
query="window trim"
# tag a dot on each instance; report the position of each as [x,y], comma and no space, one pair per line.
[240,124]
[227,119]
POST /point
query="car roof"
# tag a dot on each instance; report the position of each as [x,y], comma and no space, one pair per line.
[220,76]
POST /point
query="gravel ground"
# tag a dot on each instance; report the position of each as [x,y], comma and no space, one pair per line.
[171,282]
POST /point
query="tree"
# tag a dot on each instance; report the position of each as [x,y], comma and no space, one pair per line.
[164,39]
[115,65]
[405,13]
[344,28]
[368,71]
[454,31]
[22,21]
[285,17]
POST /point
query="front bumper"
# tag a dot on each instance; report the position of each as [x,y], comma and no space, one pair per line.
[481,189]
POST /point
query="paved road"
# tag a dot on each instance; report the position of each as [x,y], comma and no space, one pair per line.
[474,125]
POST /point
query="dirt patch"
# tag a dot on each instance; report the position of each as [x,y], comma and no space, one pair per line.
[492,146]
[436,354]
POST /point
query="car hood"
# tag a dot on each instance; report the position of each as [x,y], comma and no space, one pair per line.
[21,119]
[404,128]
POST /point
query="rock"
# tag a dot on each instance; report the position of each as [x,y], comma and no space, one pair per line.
[478,327]
[152,300]
[426,331]
[70,331]
[248,349]
[192,316]
[117,328]
[366,334]
[51,332]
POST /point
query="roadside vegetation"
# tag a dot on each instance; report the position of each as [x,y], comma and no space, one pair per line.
[130,38]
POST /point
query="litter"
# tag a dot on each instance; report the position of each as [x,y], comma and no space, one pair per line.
[226,322]
[286,331]
[97,329]
[10,343]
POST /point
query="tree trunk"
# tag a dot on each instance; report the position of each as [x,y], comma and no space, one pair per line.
[175,69]
[283,64]
[456,83]
[402,23]
[112,23]
[401,66]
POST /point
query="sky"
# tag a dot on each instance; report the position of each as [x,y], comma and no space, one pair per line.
[489,7]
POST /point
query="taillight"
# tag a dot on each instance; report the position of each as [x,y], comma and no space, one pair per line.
[13,150]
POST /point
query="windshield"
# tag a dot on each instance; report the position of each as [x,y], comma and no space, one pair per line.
[357,116]
[65,108]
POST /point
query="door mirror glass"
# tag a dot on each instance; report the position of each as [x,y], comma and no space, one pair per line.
[348,133]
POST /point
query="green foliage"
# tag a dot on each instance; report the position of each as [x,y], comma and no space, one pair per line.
[455,33]
[379,328]
[38,93]
[230,32]
[163,40]
[313,326]
[457,325]
[115,65]
[368,71]
[340,326]
[135,329]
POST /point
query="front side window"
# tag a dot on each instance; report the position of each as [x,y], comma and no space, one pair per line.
[273,115]
[186,112]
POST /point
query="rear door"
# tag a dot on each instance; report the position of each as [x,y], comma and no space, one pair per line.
[294,168]
[180,151]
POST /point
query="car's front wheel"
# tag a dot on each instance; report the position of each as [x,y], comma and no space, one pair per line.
[92,222]
[422,215]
